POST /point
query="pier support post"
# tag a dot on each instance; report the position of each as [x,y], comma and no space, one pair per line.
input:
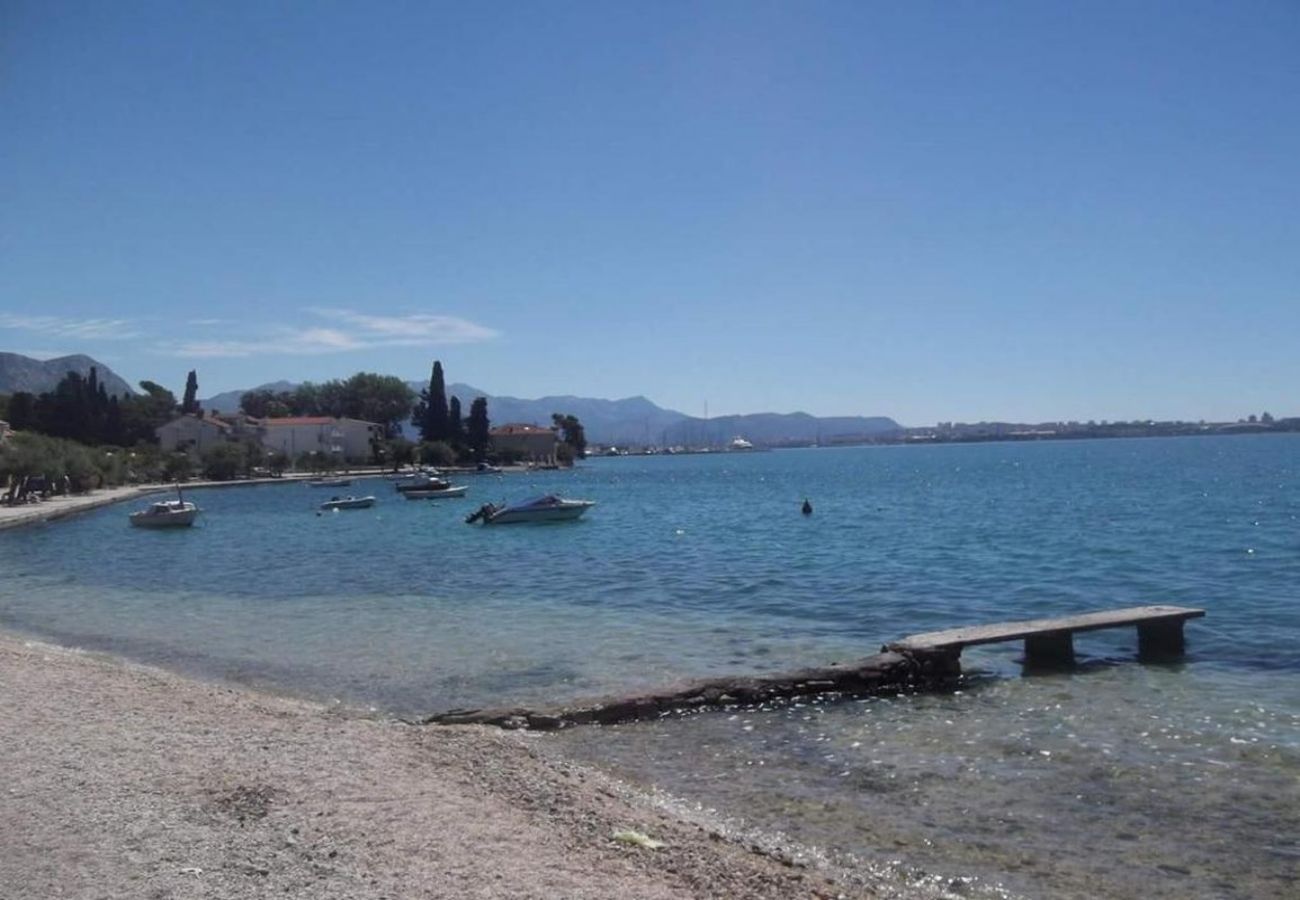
[1054,650]
[1161,639]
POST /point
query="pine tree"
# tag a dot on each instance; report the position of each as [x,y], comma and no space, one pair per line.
[190,403]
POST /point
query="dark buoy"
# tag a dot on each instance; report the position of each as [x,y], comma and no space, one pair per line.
[807,507]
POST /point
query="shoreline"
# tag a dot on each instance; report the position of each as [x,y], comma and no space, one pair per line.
[61,506]
[128,780]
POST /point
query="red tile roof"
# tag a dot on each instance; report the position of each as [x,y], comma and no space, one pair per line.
[300,420]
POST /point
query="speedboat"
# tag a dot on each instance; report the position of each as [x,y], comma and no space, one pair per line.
[548,508]
[348,503]
[435,493]
[330,482]
[166,514]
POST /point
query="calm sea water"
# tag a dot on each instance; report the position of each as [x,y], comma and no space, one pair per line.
[1115,780]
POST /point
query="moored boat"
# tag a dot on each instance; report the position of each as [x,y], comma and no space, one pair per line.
[422,482]
[330,482]
[548,508]
[435,493]
[348,503]
[166,514]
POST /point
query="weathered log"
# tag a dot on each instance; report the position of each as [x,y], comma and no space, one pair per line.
[887,672]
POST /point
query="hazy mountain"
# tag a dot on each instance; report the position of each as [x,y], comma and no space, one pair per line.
[228,402]
[776,428]
[635,421]
[22,373]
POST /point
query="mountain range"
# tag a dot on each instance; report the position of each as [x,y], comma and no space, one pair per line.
[637,421]
[34,376]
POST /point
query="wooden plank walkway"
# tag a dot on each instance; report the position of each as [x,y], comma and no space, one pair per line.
[1050,641]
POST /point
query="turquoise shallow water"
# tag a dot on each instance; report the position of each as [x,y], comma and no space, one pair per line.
[1115,780]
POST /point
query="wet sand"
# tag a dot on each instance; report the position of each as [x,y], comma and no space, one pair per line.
[127,781]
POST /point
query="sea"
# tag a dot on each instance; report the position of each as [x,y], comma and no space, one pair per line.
[1115,779]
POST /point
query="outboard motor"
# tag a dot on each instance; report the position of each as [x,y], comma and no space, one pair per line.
[484,512]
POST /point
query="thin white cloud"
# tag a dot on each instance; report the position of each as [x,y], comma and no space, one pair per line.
[355,331]
[77,329]
[411,329]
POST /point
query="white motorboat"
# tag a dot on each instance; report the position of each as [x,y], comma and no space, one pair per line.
[166,514]
[435,493]
[548,508]
[330,482]
[739,443]
[348,503]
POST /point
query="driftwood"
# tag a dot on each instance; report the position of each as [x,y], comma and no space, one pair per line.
[887,672]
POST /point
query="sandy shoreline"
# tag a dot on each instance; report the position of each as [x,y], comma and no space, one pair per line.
[128,781]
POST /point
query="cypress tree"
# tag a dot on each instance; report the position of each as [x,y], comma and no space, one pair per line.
[190,403]
[455,427]
[435,425]
[477,430]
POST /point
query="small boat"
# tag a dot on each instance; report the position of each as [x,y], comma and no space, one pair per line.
[330,482]
[435,493]
[166,514]
[548,508]
[485,469]
[410,474]
[348,503]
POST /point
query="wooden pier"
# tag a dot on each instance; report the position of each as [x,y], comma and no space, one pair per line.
[1049,643]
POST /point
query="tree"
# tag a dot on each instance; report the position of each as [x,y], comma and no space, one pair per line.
[573,434]
[1267,418]
[22,411]
[190,404]
[178,467]
[478,429]
[437,453]
[434,422]
[277,461]
[398,452]
[455,426]
[384,399]
[225,461]
[141,415]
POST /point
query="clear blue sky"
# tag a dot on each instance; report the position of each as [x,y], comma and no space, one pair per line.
[932,211]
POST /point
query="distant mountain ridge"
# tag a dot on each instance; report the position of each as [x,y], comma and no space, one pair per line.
[636,421]
[34,376]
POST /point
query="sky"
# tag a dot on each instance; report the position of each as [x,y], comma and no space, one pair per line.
[1026,211]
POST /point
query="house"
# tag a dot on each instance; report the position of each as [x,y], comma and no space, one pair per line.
[531,443]
[191,433]
[5,430]
[347,439]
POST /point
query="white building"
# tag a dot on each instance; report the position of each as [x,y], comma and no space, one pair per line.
[5,430]
[344,439]
[190,433]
